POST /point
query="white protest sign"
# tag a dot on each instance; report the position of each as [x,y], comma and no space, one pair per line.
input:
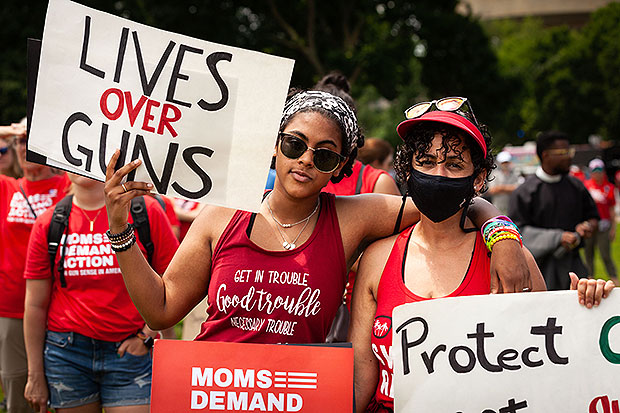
[533,352]
[203,117]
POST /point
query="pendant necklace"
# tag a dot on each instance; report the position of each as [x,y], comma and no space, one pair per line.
[92,222]
[291,245]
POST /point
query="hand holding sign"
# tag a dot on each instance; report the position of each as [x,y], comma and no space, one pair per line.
[590,292]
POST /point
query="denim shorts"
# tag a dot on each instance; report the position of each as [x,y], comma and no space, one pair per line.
[81,370]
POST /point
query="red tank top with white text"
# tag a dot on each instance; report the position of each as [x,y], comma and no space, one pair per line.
[393,292]
[261,296]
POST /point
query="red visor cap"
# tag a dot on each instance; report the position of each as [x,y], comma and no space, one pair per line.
[449,118]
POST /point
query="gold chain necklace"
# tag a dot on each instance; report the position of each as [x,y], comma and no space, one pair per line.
[91,221]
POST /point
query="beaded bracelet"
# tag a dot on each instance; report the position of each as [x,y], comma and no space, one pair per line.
[498,229]
[501,237]
[124,246]
[126,233]
[122,241]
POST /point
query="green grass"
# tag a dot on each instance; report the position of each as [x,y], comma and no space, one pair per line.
[599,267]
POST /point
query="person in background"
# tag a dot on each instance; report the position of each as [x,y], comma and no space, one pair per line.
[88,347]
[364,179]
[168,207]
[377,153]
[9,165]
[555,212]
[503,181]
[186,212]
[21,201]
[576,171]
[602,192]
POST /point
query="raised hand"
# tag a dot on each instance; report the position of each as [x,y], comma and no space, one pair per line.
[118,195]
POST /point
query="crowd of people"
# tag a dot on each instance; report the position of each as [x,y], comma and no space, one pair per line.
[561,209]
[90,289]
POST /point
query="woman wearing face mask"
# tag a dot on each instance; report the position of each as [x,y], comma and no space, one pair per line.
[294,250]
[445,161]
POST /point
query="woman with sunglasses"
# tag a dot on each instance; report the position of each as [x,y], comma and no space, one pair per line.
[9,165]
[445,162]
[276,276]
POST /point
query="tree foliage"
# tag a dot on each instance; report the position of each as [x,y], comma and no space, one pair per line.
[518,75]
[566,78]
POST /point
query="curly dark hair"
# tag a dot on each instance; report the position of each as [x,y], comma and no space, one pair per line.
[347,169]
[419,139]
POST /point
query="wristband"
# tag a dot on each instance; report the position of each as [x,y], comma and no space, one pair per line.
[126,233]
[123,247]
[498,229]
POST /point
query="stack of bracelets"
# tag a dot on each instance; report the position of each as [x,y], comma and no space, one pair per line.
[123,240]
[500,228]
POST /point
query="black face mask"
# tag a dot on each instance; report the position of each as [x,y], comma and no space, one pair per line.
[439,197]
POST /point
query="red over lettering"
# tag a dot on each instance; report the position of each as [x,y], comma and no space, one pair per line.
[114,108]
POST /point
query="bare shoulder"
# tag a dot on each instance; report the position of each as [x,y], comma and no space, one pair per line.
[210,223]
[373,261]
[380,249]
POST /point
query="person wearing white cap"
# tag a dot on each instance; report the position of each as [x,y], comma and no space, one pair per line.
[503,181]
[602,191]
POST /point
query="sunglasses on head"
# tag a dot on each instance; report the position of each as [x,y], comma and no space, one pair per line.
[4,150]
[448,104]
[324,160]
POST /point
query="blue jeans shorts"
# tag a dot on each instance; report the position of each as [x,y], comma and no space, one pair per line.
[81,370]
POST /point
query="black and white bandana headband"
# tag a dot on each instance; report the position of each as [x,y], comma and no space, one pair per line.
[335,105]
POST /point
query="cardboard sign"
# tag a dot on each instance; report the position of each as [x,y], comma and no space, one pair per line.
[533,352]
[203,117]
[194,376]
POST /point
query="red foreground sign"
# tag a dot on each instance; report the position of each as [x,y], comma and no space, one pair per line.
[191,376]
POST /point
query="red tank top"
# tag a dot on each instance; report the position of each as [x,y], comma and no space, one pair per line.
[261,296]
[348,184]
[393,292]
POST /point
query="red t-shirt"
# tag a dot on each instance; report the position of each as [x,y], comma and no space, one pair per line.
[348,184]
[393,292]
[172,217]
[95,302]
[261,296]
[186,206]
[16,221]
[603,196]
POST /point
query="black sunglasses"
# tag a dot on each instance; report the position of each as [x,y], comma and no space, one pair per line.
[324,160]
[4,150]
